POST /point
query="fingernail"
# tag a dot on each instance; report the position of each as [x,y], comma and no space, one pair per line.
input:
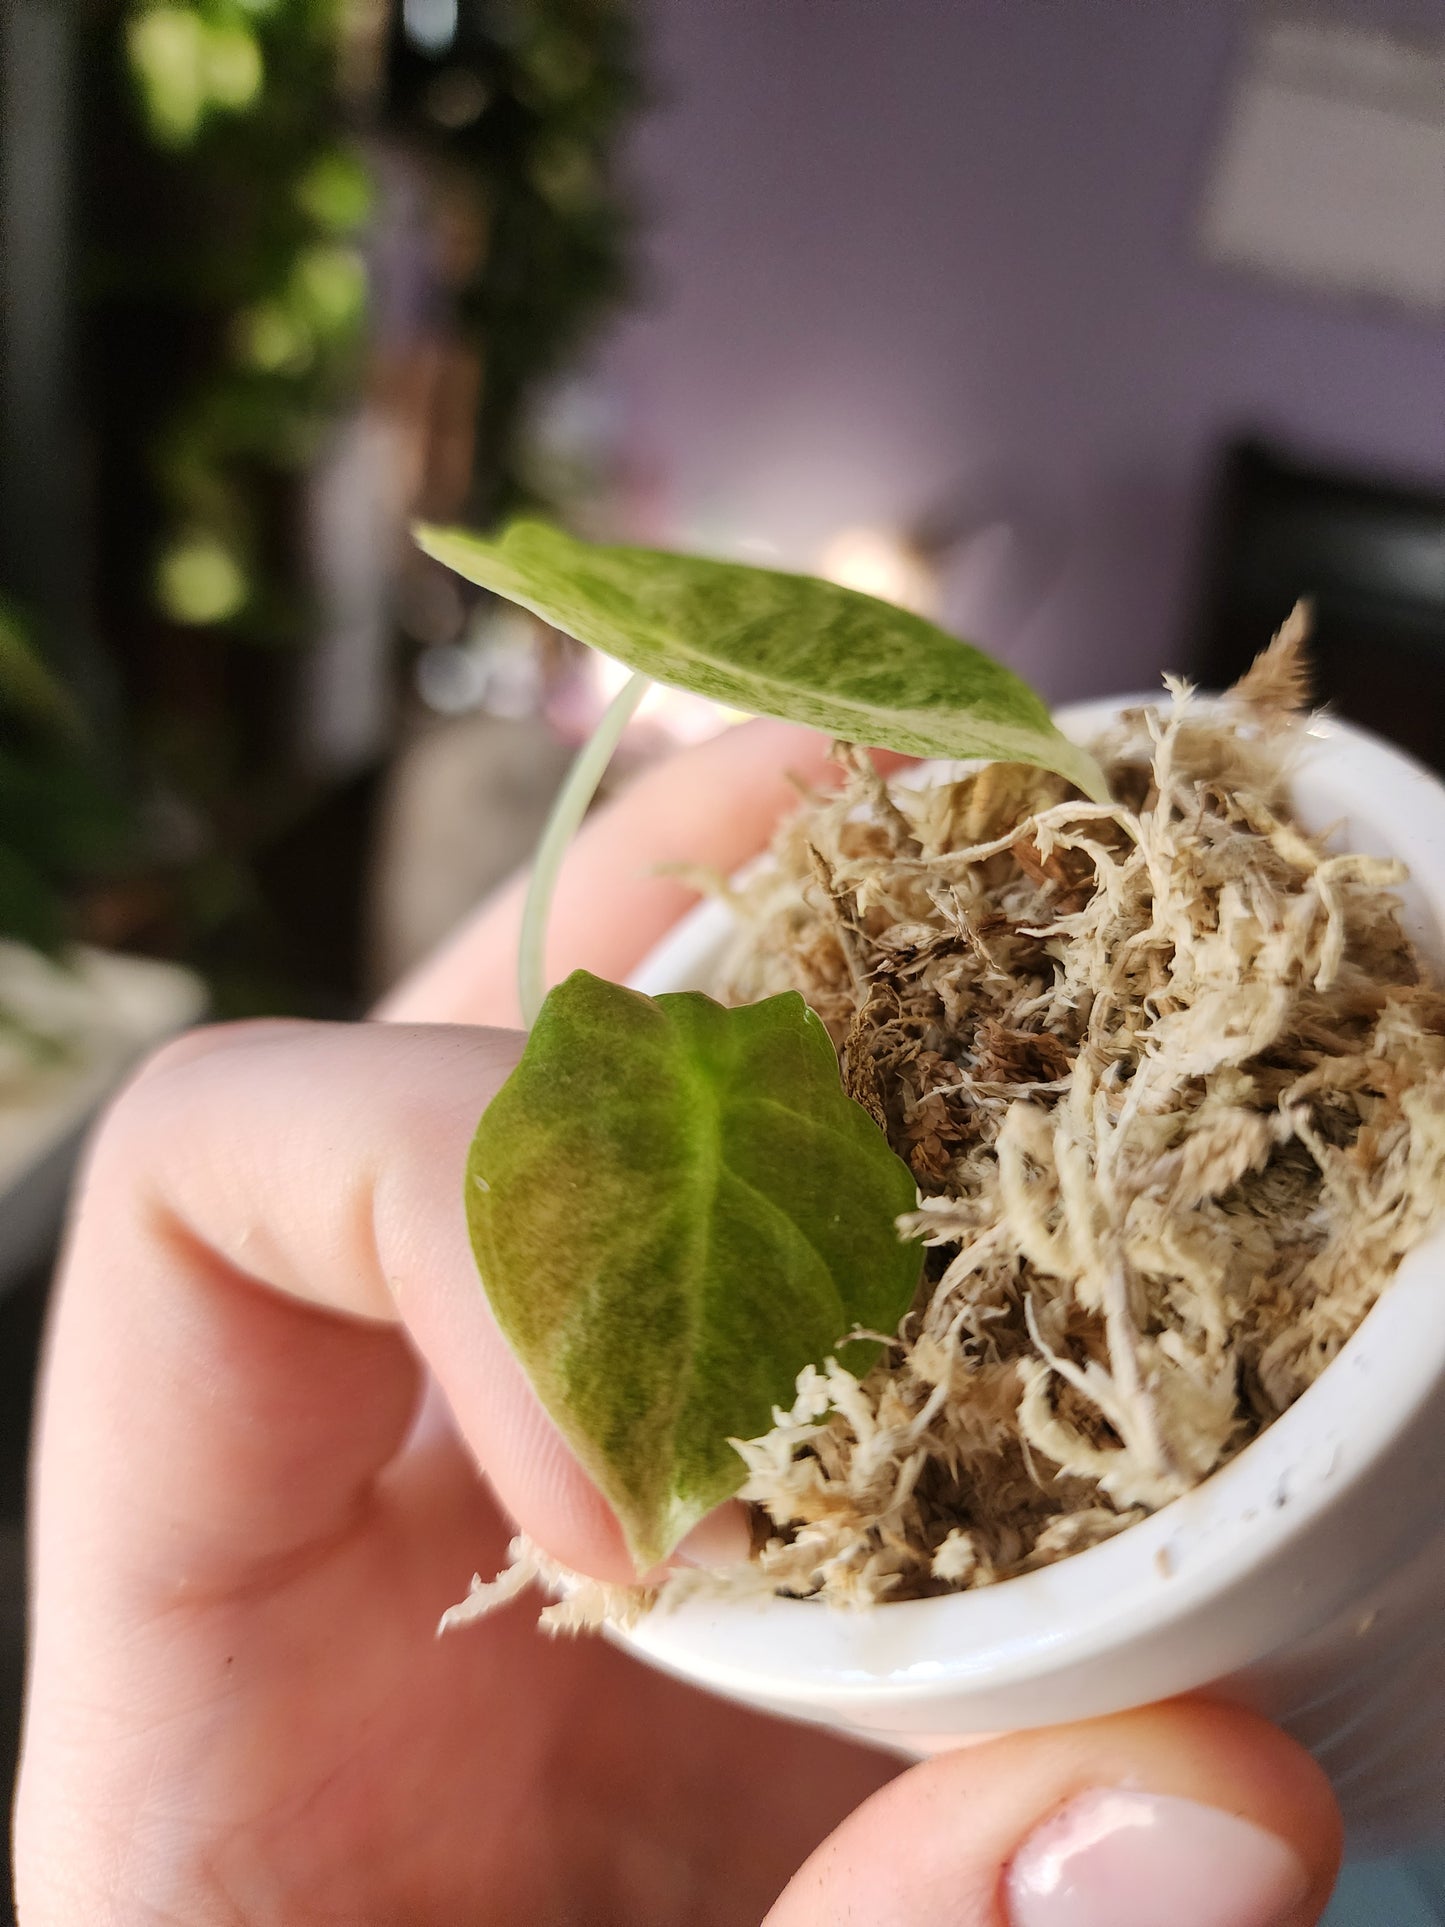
[723,1538]
[1112,1858]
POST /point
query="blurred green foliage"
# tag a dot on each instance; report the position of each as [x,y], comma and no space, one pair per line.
[239,236]
[236,157]
[559,82]
[59,823]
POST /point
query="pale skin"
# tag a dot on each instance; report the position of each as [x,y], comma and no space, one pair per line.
[279,1432]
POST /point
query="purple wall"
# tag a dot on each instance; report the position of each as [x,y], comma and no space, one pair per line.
[902,244]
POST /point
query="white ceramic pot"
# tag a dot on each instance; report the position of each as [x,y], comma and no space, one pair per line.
[1307,1578]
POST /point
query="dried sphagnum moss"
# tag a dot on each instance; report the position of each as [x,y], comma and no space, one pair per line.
[1170,1080]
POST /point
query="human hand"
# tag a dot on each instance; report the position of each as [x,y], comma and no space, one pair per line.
[245,1530]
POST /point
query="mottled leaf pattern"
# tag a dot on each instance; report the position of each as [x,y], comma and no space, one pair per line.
[776,644]
[674,1208]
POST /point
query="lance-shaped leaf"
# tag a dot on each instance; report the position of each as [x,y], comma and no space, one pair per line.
[675,1208]
[777,644]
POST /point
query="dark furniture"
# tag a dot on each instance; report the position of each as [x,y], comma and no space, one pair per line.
[1371,556]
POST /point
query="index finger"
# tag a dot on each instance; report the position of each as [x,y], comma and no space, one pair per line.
[270,1222]
[715,806]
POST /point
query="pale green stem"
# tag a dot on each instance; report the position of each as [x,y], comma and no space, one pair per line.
[577,791]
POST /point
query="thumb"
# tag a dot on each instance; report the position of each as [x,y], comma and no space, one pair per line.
[1182,1815]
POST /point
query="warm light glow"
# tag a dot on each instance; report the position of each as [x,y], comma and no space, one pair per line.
[880,563]
[674,713]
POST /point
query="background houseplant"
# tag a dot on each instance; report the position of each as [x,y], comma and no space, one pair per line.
[322,259]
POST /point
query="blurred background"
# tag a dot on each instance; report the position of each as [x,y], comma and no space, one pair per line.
[1099,331]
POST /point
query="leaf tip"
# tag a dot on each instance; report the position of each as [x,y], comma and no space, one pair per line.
[1084,771]
[441,544]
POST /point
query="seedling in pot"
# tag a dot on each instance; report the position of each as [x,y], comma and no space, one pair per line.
[674,1207]
[1156,1078]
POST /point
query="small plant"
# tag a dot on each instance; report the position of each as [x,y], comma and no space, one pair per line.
[1155,1106]
[674,1206]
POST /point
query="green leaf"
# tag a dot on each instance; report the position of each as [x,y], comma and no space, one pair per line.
[780,645]
[674,1208]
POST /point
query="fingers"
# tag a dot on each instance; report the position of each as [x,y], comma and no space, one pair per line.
[1184,1815]
[270,1231]
[261,1180]
[714,806]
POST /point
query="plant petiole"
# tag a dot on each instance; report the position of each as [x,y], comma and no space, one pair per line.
[577,791]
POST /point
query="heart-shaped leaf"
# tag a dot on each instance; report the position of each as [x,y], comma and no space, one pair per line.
[674,1208]
[777,644]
